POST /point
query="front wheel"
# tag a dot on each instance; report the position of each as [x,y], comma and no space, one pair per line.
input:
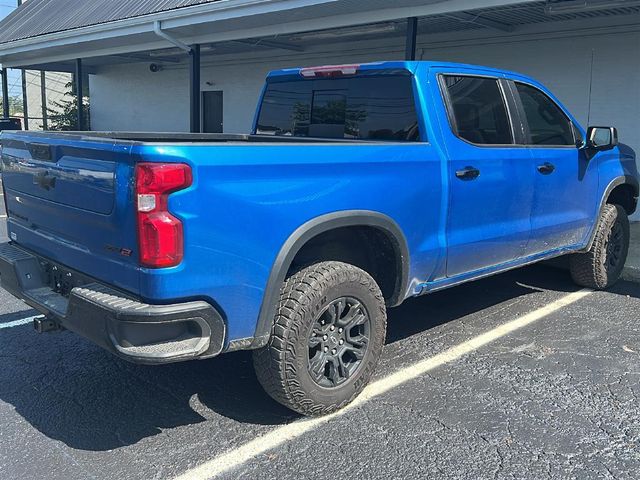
[602,265]
[326,341]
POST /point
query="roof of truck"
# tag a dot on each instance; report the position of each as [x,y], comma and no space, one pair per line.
[394,65]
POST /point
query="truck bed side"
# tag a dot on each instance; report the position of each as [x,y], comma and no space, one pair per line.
[246,201]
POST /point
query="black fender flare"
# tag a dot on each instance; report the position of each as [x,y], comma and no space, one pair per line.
[311,229]
[616,182]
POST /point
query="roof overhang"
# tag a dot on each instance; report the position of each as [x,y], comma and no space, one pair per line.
[227,20]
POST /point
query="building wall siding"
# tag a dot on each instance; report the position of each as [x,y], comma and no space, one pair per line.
[131,97]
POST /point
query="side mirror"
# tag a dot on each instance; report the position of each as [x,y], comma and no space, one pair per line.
[600,139]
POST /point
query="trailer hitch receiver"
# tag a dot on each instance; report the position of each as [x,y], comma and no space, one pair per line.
[44,324]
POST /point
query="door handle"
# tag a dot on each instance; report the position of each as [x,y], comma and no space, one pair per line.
[468,173]
[546,168]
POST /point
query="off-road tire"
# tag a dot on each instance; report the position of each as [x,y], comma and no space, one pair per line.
[282,366]
[593,269]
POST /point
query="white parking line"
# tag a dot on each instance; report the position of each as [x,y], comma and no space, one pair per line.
[281,435]
[3,216]
[17,323]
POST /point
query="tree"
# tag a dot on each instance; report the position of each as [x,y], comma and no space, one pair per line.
[15,105]
[64,115]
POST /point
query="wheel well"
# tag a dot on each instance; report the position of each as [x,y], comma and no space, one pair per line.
[370,248]
[623,195]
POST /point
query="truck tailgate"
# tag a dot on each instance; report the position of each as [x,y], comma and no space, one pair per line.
[71,201]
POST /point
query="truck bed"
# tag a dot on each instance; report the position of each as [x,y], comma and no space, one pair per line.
[181,137]
[71,199]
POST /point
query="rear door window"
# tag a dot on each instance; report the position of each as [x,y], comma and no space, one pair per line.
[358,108]
[548,124]
[478,110]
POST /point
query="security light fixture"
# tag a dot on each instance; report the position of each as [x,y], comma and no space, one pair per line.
[559,7]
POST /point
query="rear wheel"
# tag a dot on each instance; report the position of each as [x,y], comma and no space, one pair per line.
[326,341]
[602,265]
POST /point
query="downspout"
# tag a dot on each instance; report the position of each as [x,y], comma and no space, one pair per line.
[157,28]
[195,120]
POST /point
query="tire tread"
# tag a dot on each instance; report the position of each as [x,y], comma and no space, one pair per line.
[587,269]
[274,364]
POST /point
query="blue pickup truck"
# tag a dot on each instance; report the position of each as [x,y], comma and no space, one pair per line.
[359,187]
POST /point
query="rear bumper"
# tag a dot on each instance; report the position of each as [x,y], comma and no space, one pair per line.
[135,331]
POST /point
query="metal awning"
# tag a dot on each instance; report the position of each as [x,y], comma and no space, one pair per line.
[122,31]
[42,17]
[213,22]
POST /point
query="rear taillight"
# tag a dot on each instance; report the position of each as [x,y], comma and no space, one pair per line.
[160,234]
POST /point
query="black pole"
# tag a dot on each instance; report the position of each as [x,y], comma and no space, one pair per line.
[194,89]
[79,90]
[25,102]
[412,36]
[5,94]
[25,106]
[43,97]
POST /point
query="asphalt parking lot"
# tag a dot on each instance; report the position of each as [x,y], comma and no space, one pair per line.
[556,397]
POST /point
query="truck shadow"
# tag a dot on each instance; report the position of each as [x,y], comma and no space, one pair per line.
[73,392]
[626,289]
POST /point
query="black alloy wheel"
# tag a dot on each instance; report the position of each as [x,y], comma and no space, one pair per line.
[338,342]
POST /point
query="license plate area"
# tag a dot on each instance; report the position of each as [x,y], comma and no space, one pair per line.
[62,280]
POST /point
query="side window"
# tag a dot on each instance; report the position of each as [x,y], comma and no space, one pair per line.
[548,124]
[478,110]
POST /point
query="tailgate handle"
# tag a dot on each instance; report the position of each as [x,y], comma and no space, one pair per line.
[44,180]
[40,151]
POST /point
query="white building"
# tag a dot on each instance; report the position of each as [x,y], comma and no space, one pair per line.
[586,51]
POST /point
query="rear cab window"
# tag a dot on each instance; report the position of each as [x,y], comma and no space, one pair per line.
[373,108]
[477,109]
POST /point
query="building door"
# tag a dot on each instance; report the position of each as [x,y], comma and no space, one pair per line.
[212,108]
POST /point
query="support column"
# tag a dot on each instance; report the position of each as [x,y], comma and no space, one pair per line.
[412,37]
[25,101]
[25,105]
[194,89]
[5,94]
[79,89]
[43,97]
